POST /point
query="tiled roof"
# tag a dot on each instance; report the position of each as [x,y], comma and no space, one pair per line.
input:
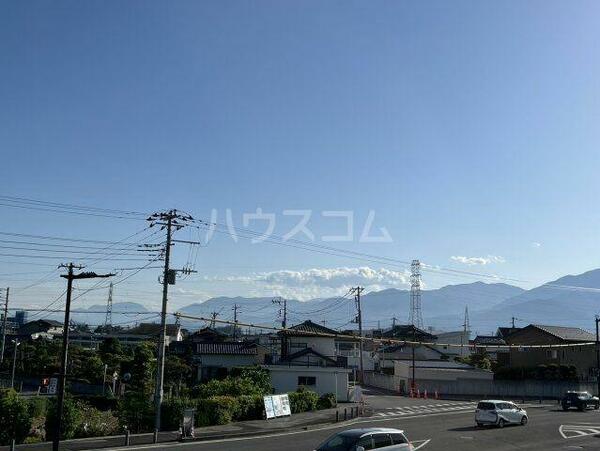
[227,348]
[407,331]
[506,331]
[151,329]
[567,333]
[308,327]
[489,340]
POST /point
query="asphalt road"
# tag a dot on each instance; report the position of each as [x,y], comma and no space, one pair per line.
[435,429]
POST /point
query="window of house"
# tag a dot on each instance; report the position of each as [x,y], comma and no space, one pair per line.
[307,380]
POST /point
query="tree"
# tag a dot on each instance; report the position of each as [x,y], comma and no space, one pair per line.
[71,419]
[109,349]
[177,372]
[14,417]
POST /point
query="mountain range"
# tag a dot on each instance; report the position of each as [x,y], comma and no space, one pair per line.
[570,301]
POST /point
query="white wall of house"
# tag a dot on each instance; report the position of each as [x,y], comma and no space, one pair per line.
[323,345]
[286,379]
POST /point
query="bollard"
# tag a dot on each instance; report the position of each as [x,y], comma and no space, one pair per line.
[155,437]
[357,413]
[337,416]
[345,414]
[127,437]
[12,445]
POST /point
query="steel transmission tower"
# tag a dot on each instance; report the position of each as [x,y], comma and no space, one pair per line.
[108,318]
[416,316]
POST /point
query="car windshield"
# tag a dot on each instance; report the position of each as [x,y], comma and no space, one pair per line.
[486,406]
[339,442]
[585,395]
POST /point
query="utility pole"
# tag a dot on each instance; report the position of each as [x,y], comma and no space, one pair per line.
[14,363]
[598,353]
[169,221]
[513,322]
[4,319]
[357,292]
[283,315]
[213,317]
[235,309]
[466,331]
[70,276]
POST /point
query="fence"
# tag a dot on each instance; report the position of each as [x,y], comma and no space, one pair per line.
[385,381]
[469,388]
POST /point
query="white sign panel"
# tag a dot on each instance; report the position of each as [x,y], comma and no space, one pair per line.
[277,406]
[52,386]
[270,411]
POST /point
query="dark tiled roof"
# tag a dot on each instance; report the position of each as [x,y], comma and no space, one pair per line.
[407,331]
[489,340]
[308,327]
[151,329]
[227,348]
[506,331]
[567,333]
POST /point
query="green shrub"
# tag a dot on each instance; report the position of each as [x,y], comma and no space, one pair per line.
[216,411]
[14,417]
[71,419]
[172,412]
[136,412]
[260,377]
[250,407]
[101,402]
[327,401]
[38,406]
[303,400]
[97,423]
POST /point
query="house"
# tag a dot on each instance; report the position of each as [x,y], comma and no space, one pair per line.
[41,328]
[216,359]
[347,346]
[488,344]
[149,332]
[460,340]
[583,358]
[308,359]
[407,332]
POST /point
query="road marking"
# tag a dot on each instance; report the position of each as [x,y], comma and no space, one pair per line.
[424,409]
[421,445]
[578,430]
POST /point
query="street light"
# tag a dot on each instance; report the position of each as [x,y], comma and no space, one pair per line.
[14,364]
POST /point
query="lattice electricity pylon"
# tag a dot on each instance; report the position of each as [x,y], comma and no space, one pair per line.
[415,316]
[109,302]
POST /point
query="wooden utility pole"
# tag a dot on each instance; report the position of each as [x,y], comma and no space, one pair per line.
[598,354]
[235,309]
[4,319]
[283,315]
[62,379]
[169,220]
[357,292]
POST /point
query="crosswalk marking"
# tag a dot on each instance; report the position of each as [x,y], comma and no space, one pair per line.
[399,411]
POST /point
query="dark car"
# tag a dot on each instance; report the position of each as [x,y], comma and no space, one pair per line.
[580,400]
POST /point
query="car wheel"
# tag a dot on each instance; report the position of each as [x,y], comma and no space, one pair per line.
[581,408]
[500,423]
[565,408]
[596,406]
[524,420]
[479,425]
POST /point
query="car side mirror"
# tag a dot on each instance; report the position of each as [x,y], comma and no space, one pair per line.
[360,448]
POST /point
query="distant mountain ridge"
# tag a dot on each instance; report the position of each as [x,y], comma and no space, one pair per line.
[571,300]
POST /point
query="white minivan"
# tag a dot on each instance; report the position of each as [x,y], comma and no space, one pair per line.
[499,413]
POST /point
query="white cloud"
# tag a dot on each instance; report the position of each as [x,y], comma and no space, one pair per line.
[318,282]
[536,244]
[471,261]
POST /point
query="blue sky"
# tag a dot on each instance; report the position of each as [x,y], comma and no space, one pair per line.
[469,128]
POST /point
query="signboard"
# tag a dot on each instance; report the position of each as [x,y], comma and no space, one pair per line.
[52,386]
[277,406]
